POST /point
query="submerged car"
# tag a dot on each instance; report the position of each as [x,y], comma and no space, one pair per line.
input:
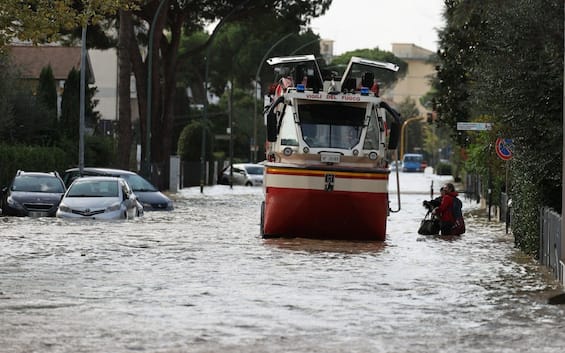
[248,174]
[147,194]
[100,197]
[35,194]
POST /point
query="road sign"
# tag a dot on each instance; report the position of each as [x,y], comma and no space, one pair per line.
[474,126]
[504,148]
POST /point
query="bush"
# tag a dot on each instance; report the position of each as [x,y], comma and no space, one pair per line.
[443,168]
[37,159]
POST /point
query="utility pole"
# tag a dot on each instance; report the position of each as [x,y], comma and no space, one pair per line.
[83,67]
[257,96]
[403,132]
[147,164]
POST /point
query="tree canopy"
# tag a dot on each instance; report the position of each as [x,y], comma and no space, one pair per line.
[501,61]
[42,21]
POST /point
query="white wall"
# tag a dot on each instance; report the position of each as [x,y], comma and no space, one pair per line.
[105,67]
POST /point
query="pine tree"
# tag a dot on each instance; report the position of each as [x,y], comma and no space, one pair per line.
[70,106]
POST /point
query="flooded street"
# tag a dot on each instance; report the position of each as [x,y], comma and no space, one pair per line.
[201,279]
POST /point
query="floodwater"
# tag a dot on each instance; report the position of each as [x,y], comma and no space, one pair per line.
[200,279]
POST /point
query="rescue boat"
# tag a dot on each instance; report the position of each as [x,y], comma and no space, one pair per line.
[327,152]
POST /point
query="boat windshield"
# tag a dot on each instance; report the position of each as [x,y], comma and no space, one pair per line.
[372,136]
[331,125]
[287,131]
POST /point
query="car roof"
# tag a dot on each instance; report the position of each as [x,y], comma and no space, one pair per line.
[50,174]
[98,178]
[111,171]
[248,165]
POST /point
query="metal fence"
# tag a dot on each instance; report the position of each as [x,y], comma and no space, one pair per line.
[505,210]
[551,248]
[550,242]
[192,172]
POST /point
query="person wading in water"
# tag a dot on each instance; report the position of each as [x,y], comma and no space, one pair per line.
[449,212]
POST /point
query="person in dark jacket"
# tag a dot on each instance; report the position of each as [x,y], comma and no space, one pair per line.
[449,212]
[434,203]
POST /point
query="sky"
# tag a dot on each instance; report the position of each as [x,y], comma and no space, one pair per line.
[361,24]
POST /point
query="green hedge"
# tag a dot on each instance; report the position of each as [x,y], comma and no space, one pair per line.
[443,169]
[30,158]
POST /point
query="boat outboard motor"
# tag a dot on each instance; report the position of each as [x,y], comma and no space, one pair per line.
[394,128]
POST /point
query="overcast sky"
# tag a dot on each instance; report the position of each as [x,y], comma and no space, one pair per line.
[360,24]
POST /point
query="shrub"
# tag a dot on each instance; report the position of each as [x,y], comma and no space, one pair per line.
[443,168]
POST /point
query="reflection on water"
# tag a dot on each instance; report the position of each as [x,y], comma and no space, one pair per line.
[200,279]
[325,246]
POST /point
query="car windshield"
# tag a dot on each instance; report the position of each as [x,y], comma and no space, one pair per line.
[38,183]
[255,170]
[94,189]
[137,183]
[413,158]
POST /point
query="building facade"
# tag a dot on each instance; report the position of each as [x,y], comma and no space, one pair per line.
[417,82]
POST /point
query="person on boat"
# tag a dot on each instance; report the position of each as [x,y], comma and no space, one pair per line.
[368,80]
[449,212]
[375,88]
[284,82]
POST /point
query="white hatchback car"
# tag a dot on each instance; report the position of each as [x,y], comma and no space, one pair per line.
[99,198]
[248,174]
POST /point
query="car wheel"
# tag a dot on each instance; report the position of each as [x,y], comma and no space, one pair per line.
[248,183]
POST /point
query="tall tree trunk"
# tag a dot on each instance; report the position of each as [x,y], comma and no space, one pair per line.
[163,130]
[124,83]
[141,89]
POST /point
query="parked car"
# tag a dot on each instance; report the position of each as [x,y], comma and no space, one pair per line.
[248,174]
[412,162]
[99,197]
[147,194]
[35,194]
[424,165]
[394,165]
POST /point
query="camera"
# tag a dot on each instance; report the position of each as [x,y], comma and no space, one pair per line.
[428,205]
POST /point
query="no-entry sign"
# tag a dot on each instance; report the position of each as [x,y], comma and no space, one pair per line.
[504,148]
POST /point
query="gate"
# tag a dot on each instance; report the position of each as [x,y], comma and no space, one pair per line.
[550,242]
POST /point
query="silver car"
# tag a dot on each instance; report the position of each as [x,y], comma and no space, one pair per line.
[99,198]
[248,174]
[147,194]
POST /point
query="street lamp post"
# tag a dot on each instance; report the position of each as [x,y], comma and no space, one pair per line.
[82,100]
[229,86]
[403,132]
[257,97]
[147,163]
[204,120]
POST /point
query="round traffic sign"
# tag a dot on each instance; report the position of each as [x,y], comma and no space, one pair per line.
[504,148]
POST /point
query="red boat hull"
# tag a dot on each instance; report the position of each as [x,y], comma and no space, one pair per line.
[348,205]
